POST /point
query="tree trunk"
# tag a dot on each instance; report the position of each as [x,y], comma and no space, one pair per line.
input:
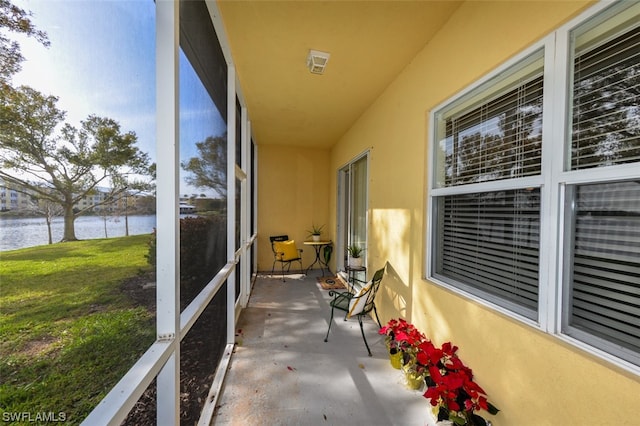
[126,216]
[69,224]
[49,230]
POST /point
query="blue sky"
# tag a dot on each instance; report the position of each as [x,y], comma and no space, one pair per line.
[102,61]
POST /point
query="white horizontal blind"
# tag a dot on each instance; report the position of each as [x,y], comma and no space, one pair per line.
[606,262]
[602,219]
[500,139]
[491,241]
[606,102]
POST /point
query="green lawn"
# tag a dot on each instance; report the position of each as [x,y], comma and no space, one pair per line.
[68,332]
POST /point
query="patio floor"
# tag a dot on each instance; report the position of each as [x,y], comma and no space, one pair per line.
[283,373]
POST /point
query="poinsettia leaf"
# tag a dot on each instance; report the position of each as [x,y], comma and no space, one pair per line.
[429,381]
[443,414]
[492,409]
[476,420]
[458,420]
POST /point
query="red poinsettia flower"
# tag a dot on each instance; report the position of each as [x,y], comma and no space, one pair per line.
[401,336]
[451,386]
[433,394]
[483,403]
[434,372]
[453,405]
[449,349]
[453,381]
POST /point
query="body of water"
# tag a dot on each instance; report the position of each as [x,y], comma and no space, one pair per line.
[18,233]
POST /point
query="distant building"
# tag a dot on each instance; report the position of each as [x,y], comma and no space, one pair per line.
[13,199]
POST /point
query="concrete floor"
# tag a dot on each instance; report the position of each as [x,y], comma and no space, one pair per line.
[283,373]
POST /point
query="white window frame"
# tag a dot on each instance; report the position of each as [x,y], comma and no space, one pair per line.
[553,181]
[538,181]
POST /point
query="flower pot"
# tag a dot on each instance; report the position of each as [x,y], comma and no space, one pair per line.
[415,381]
[315,238]
[355,262]
[395,357]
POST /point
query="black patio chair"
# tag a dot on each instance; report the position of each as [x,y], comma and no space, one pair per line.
[359,303]
[285,252]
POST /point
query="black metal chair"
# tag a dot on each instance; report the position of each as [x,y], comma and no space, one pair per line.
[285,252]
[358,303]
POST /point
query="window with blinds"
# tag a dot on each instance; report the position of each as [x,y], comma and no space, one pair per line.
[501,182]
[501,139]
[487,233]
[602,219]
[605,262]
[489,242]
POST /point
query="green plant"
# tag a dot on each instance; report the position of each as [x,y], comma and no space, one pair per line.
[355,250]
[315,230]
[451,389]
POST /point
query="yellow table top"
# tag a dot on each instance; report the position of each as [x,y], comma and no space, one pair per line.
[316,243]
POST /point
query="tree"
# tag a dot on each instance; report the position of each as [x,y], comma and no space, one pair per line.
[65,168]
[209,170]
[16,20]
[47,209]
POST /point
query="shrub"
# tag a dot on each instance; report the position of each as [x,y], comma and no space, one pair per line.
[203,248]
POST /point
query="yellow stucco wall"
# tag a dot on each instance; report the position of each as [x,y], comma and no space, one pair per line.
[292,194]
[533,377]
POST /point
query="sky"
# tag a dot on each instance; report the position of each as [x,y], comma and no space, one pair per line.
[102,61]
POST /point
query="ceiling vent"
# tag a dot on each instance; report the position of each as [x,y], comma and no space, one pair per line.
[317,61]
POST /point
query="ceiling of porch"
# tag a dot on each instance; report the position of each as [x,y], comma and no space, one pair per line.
[370,42]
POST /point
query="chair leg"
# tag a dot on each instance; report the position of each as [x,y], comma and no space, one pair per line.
[326,338]
[363,336]
[282,268]
[377,317]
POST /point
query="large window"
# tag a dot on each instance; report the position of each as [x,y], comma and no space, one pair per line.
[488,215]
[523,210]
[602,212]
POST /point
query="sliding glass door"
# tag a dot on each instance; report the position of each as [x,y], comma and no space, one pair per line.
[352,207]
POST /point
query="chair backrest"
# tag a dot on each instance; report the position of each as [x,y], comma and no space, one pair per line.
[279,238]
[371,294]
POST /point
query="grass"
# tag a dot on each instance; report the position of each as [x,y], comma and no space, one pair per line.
[68,332]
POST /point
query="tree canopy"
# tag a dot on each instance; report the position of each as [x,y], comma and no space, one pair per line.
[16,20]
[209,170]
[41,154]
[64,168]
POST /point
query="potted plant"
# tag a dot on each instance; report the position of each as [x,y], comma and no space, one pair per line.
[315,232]
[451,390]
[355,255]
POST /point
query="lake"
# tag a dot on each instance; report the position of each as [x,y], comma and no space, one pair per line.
[18,233]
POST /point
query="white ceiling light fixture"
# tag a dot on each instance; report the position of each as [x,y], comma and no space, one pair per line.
[317,61]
